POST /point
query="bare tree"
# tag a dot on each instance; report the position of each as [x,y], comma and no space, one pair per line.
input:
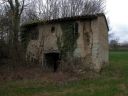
[30,13]
[14,11]
[5,25]
[113,41]
[52,9]
[49,9]
[93,7]
[114,44]
[64,9]
[75,6]
[16,8]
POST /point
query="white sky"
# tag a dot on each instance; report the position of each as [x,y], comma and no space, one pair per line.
[117,12]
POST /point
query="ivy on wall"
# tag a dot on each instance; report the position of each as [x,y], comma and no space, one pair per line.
[67,44]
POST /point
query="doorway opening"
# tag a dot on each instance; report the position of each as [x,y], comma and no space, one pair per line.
[52,61]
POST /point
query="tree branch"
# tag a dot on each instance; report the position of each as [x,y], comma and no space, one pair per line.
[22,8]
[11,4]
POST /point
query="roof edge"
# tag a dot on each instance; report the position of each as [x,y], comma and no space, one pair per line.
[102,14]
[82,17]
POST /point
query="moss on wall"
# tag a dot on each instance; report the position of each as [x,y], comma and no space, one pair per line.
[67,42]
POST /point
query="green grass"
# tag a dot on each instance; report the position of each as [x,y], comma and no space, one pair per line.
[113,81]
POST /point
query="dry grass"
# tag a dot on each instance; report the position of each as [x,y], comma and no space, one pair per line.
[112,81]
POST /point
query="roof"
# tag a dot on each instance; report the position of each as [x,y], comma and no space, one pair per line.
[65,19]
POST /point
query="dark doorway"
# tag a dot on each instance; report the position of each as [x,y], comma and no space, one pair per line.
[52,61]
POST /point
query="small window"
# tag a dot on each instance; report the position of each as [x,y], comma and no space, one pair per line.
[53,29]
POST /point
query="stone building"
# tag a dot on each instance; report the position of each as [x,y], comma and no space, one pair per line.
[77,43]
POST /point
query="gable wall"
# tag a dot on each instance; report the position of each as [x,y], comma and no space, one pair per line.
[103,40]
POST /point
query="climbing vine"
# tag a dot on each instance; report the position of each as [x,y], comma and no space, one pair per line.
[67,43]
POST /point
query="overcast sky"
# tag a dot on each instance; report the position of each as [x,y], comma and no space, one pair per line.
[117,11]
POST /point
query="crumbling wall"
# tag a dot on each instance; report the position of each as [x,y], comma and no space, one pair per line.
[103,41]
[33,44]
[95,46]
[83,52]
[32,50]
[48,40]
[81,60]
[88,43]
[100,43]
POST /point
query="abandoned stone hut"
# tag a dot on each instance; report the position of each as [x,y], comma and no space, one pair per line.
[77,43]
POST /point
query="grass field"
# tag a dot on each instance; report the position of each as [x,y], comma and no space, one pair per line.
[113,81]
